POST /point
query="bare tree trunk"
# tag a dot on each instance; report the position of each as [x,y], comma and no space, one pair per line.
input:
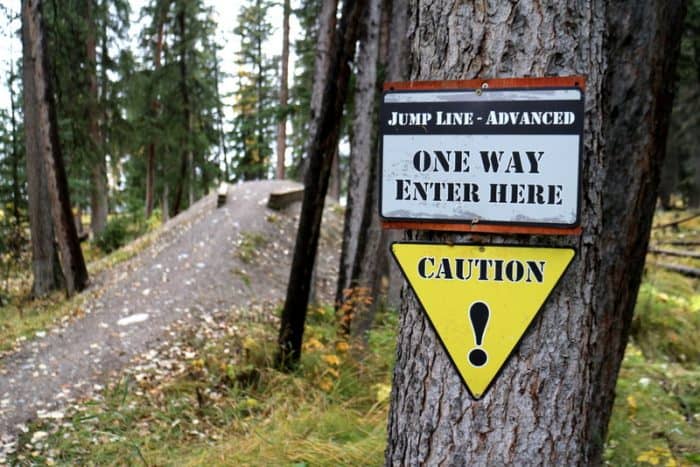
[72,262]
[397,70]
[669,178]
[324,43]
[184,90]
[320,152]
[220,121]
[334,183]
[151,155]
[284,94]
[98,171]
[44,255]
[166,203]
[16,194]
[552,401]
[362,233]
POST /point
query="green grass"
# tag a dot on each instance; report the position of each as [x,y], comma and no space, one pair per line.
[22,317]
[656,417]
[249,245]
[228,405]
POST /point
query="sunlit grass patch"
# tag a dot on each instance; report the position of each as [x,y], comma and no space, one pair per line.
[656,415]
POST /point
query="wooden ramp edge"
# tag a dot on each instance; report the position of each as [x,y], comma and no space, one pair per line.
[280,199]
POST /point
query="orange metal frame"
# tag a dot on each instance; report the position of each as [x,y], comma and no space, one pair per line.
[495,83]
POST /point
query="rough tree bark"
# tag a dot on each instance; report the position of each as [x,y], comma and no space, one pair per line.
[397,70]
[47,144]
[551,403]
[185,93]
[45,266]
[99,202]
[151,155]
[362,234]
[324,142]
[16,184]
[284,93]
[324,43]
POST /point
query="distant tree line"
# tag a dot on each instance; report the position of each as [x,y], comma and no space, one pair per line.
[142,131]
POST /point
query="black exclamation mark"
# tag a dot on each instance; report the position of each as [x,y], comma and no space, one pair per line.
[479,317]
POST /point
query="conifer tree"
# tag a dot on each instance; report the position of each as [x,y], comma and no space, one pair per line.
[256,97]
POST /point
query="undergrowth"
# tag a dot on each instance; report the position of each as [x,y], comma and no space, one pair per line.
[227,405]
[213,398]
[656,417]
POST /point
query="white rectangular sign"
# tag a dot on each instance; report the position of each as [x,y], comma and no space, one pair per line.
[504,156]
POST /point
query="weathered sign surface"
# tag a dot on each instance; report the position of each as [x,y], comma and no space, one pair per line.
[497,156]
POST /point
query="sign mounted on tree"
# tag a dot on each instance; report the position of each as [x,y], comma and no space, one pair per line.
[482,155]
[481,299]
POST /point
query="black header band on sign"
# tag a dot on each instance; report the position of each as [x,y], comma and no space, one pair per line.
[555,112]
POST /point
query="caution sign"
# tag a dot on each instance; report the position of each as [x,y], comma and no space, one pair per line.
[481,299]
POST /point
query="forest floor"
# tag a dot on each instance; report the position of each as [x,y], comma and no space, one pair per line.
[203,263]
[206,394]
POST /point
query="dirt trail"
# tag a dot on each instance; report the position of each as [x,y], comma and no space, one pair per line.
[204,261]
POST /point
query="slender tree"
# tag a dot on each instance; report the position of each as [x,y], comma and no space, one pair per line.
[321,149]
[318,21]
[161,9]
[284,92]
[362,235]
[39,105]
[552,401]
[99,202]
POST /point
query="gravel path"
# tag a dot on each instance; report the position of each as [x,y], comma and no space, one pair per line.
[204,261]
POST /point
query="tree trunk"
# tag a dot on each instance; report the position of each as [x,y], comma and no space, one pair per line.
[397,70]
[98,171]
[16,184]
[47,143]
[284,94]
[334,182]
[362,232]
[151,154]
[669,178]
[324,43]
[324,142]
[694,177]
[184,91]
[551,403]
[220,121]
[44,256]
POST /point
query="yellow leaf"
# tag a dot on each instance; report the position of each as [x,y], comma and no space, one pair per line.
[381,392]
[342,346]
[249,343]
[331,359]
[632,403]
[333,372]
[313,344]
[326,384]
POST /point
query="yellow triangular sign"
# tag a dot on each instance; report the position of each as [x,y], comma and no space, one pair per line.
[481,299]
